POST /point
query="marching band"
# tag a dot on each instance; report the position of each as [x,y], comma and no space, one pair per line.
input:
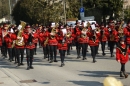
[15,39]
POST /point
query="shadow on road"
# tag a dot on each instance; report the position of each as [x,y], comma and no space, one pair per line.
[87,83]
[99,73]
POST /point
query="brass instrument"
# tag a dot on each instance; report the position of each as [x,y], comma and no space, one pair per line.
[84,31]
[120,30]
[20,42]
[68,35]
[53,31]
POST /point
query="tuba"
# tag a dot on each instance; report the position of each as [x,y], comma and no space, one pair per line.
[120,30]
[20,42]
[84,31]
[53,32]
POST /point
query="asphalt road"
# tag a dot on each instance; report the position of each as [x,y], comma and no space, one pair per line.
[76,72]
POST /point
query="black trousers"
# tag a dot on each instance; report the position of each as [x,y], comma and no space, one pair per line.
[78,47]
[10,53]
[20,51]
[35,49]
[111,45]
[68,45]
[103,43]
[46,51]
[123,67]
[94,51]
[4,49]
[53,52]
[29,56]
[14,55]
[84,49]
[62,55]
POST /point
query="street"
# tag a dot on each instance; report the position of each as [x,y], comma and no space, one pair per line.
[76,72]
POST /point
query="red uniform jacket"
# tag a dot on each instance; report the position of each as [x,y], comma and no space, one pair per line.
[120,54]
[42,36]
[91,41]
[9,39]
[127,34]
[104,34]
[83,40]
[114,33]
[59,36]
[35,40]
[69,40]
[32,46]
[53,42]
[0,36]
[62,46]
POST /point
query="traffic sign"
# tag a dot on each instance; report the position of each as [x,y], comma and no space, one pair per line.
[81,9]
[82,14]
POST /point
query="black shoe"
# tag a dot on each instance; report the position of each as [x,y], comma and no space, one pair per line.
[31,67]
[18,64]
[51,61]
[87,51]
[112,55]
[78,57]
[62,64]
[68,53]
[21,64]
[15,62]
[94,61]
[28,68]
[35,53]
[12,59]
[121,74]
[55,61]
[84,58]
[104,54]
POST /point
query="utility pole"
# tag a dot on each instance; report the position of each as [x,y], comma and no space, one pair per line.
[10,12]
[81,3]
[64,11]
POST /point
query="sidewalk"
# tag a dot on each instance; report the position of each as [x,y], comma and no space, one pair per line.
[5,80]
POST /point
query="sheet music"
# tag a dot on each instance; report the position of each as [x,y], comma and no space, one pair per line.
[19,27]
[64,31]
[93,27]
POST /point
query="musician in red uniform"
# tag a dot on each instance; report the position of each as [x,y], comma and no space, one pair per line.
[103,37]
[29,46]
[4,33]
[1,37]
[122,56]
[93,35]
[127,34]
[44,36]
[83,40]
[112,36]
[20,48]
[9,38]
[52,42]
[39,29]
[77,33]
[69,39]
[35,40]
[62,46]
